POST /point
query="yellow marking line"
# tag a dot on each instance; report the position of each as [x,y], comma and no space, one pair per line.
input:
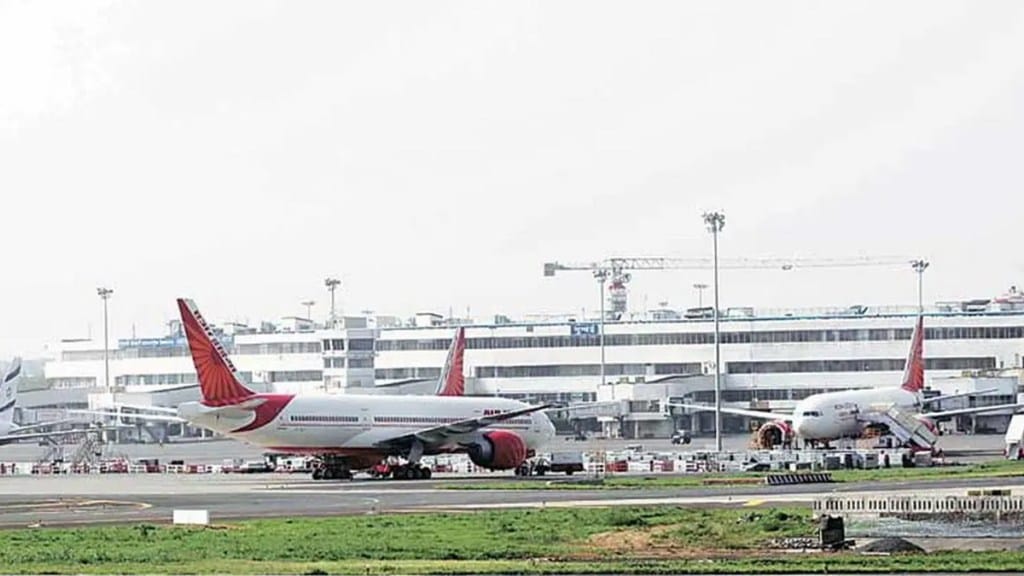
[64,505]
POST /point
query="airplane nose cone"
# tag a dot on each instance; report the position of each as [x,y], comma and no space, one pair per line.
[547,429]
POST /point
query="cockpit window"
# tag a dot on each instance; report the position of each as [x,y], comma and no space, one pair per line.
[811,414]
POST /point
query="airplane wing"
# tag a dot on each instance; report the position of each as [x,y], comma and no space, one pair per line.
[942,397]
[763,414]
[446,432]
[398,383]
[976,410]
[150,408]
[36,426]
[132,415]
[583,406]
[12,438]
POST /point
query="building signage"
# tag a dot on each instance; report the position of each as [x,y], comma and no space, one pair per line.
[583,329]
[150,342]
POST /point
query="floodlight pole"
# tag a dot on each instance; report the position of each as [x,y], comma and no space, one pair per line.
[104,294]
[715,221]
[602,276]
[700,286]
[332,285]
[920,266]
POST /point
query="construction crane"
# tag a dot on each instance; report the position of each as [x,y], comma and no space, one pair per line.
[614,270]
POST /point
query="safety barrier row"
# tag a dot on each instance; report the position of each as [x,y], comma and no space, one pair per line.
[803,478]
[920,505]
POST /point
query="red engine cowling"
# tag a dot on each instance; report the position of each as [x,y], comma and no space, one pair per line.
[929,423]
[498,450]
[772,434]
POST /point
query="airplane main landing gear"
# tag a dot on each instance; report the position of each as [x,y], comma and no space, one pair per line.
[411,472]
[332,468]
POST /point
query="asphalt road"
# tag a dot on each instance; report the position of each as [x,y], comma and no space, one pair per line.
[68,500]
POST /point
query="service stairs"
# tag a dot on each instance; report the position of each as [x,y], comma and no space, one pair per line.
[903,425]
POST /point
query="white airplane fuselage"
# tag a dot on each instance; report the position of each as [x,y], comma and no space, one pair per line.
[354,423]
[833,415]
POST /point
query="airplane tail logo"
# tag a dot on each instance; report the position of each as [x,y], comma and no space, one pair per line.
[913,371]
[452,382]
[218,379]
[9,394]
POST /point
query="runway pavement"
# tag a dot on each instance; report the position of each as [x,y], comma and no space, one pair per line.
[87,499]
[81,499]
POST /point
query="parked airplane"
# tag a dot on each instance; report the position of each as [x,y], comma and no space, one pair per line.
[820,418]
[11,432]
[352,432]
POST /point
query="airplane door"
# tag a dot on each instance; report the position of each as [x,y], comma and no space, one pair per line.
[365,419]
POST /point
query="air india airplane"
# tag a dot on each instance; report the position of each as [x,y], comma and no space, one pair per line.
[820,418]
[351,432]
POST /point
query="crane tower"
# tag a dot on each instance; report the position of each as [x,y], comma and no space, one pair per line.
[618,277]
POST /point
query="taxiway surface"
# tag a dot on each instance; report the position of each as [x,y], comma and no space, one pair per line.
[87,499]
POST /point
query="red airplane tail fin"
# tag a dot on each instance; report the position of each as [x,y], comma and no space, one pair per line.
[913,371]
[452,381]
[218,380]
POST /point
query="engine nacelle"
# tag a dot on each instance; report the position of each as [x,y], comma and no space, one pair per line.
[498,450]
[929,423]
[772,434]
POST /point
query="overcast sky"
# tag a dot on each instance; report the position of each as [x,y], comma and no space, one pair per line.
[435,154]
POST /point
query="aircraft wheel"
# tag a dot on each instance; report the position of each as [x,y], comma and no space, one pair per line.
[426,473]
[328,474]
[318,474]
[400,473]
[415,473]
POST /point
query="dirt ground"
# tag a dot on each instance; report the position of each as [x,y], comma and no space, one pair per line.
[978,544]
[646,543]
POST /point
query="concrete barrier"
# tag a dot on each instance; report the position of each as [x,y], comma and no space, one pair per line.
[798,478]
[192,517]
[921,506]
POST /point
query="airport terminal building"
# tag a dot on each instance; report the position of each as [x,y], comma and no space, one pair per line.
[770,360]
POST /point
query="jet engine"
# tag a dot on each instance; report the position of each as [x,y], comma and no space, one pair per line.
[772,434]
[498,450]
[929,423]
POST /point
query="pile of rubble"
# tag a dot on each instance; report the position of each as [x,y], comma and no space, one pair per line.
[793,543]
[892,546]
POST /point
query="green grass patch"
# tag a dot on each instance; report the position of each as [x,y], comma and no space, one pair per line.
[492,535]
[958,562]
[628,540]
[995,469]
[708,529]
